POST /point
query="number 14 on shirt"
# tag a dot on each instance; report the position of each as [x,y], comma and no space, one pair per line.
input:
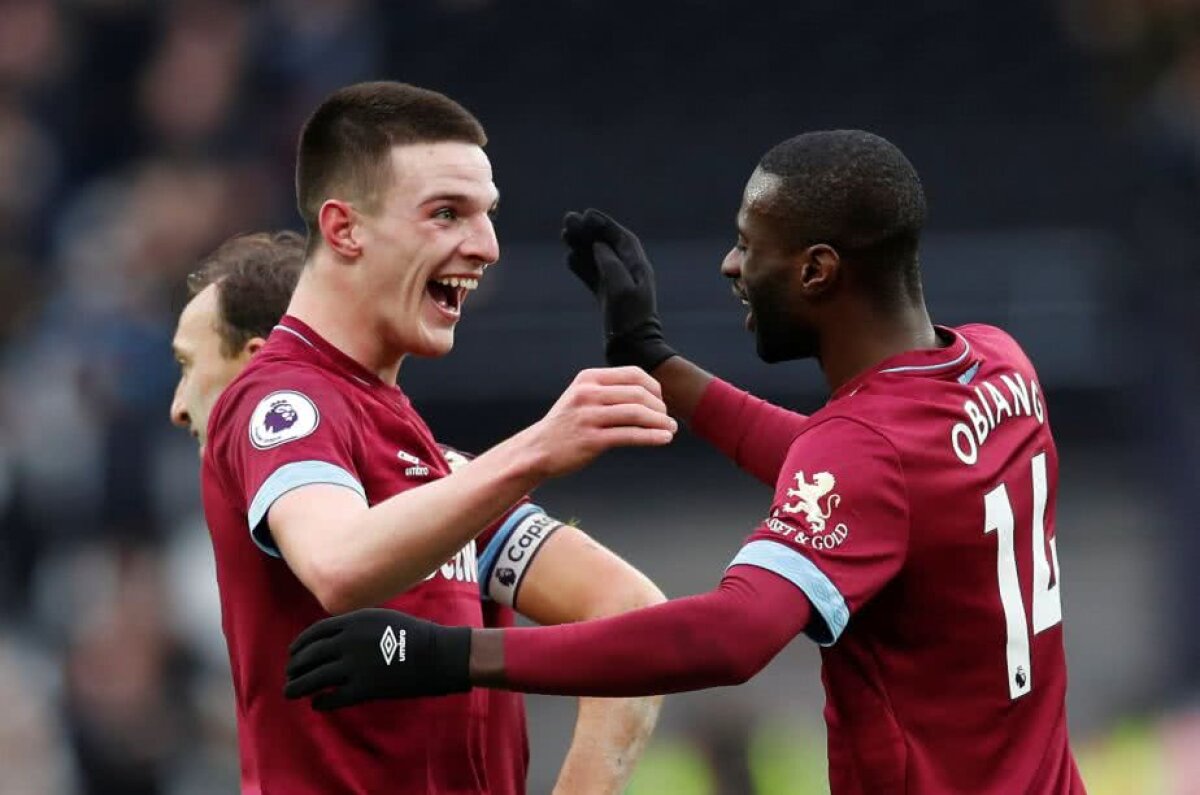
[1047,605]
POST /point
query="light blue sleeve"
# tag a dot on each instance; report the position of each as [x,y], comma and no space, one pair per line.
[789,564]
[281,481]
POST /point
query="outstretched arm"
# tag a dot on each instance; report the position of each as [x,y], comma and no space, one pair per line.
[574,578]
[720,638]
[350,555]
[716,639]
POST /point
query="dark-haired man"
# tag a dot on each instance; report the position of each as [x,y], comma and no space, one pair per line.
[237,296]
[912,529]
[325,491]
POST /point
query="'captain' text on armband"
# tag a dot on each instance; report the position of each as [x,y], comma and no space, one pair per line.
[996,400]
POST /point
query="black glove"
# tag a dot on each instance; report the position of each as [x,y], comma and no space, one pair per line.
[609,259]
[376,653]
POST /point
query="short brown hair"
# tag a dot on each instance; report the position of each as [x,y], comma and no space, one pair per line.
[255,276]
[345,144]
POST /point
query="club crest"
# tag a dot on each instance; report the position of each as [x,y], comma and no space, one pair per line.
[814,501]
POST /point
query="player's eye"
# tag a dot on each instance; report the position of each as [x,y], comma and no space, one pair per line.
[740,247]
[445,213]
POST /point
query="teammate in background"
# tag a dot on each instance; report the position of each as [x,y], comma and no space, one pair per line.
[325,491]
[912,529]
[236,297]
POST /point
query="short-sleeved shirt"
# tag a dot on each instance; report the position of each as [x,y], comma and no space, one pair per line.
[304,413]
[916,512]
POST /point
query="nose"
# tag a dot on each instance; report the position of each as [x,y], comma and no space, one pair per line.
[179,413]
[731,266]
[482,244]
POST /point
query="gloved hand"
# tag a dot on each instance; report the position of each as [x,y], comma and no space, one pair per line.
[609,259]
[375,653]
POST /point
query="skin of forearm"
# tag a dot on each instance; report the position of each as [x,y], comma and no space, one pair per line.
[386,549]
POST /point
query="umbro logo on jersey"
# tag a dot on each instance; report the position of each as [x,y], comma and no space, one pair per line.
[416,469]
[392,645]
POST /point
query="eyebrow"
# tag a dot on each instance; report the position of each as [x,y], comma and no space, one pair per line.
[460,198]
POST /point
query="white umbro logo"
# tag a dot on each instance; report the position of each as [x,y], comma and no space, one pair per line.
[391,646]
[416,468]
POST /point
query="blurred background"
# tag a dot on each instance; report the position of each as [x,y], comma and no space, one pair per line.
[1059,143]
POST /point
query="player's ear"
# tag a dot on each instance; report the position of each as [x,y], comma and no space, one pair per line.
[337,222]
[252,346]
[820,267]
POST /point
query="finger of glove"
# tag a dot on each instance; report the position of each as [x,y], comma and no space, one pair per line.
[574,232]
[613,275]
[319,678]
[624,242]
[325,628]
[583,265]
[311,655]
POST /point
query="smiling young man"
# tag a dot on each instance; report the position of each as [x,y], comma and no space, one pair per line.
[325,491]
[238,295]
[912,529]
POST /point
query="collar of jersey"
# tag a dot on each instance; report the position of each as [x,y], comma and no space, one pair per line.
[301,331]
[924,362]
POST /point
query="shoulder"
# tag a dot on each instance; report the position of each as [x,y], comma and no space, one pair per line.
[850,440]
[279,399]
[993,342]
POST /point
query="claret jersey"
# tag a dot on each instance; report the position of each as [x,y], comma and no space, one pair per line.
[916,512]
[304,413]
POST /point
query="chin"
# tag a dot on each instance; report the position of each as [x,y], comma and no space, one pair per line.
[771,349]
[434,346]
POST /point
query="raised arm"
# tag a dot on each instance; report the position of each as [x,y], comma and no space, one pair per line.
[350,555]
[610,260]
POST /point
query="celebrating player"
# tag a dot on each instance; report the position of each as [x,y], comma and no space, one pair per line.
[325,491]
[237,296]
[912,529]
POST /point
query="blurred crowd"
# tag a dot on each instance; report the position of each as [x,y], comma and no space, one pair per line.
[135,135]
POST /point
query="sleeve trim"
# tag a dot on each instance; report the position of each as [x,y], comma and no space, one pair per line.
[286,478]
[786,562]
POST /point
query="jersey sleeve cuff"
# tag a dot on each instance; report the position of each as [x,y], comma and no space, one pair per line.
[281,481]
[789,564]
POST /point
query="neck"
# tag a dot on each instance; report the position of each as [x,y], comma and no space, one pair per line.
[337,313]
[863,339]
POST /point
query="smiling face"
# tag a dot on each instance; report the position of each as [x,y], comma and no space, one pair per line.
[767,271]
[204,368]
[427,245]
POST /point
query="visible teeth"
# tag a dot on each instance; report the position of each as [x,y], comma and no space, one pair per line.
[459,281]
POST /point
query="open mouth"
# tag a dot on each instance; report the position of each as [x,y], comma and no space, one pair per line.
[739,292]
[449,293]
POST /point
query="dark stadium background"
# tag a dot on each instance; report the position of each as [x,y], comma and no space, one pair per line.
[1059,143]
